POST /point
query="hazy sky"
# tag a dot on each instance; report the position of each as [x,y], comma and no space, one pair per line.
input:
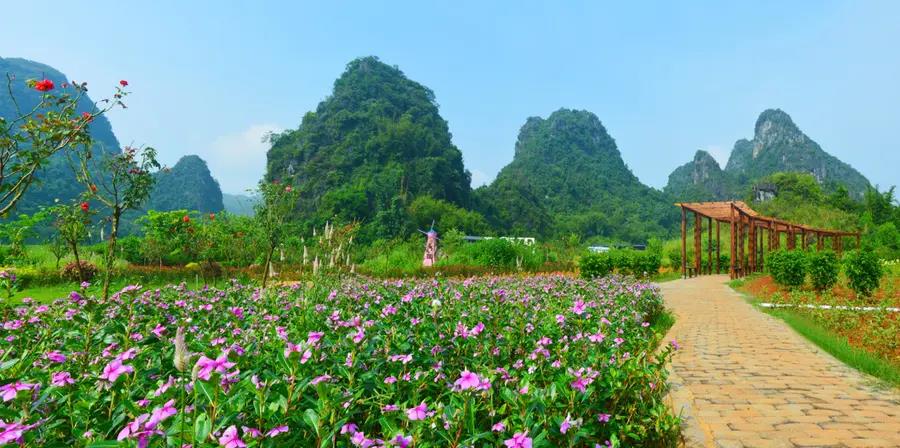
[666,78]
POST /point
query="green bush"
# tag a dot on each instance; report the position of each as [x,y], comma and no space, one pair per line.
[674,256]
[129,249]
[72,273]
[497,253]
[595,265]
[788,268]
[645,263]
[823,269]
[864,271]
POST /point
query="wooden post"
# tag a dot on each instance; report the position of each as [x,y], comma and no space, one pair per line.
[718,246]
[751,244]
[741,233]
[803,238]
[820,241]
[760,265]
[698,247]
[857,241]
[836,243]
[709,243]
[731,253]
[683,243]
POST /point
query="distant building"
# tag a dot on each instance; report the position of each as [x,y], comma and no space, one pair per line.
[526,240]
[602,248]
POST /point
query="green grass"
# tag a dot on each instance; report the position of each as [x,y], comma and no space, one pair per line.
[831,342]
[49,293]
[837,346]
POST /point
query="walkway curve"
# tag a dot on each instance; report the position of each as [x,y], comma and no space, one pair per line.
[743,378]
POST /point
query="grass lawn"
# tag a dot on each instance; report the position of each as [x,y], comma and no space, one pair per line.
[50,293]
[833,343]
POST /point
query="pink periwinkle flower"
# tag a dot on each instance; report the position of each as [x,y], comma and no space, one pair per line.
[114,370]
[518,440]
[9,391]
[467,380]
[417,412]
[207,366]
[231,439]
[61,379]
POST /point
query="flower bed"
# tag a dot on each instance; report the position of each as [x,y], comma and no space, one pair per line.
[535,362]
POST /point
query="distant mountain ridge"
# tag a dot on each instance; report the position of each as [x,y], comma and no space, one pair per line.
[778,145]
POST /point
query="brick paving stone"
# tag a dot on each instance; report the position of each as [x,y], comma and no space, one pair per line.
[745,379]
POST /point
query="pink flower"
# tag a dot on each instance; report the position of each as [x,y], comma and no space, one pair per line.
[518,440]
[314,337]
[13,432]
[56,357]
[498,427]
[161,414]
[418,412]
[401,441]
[60,379]
[319,379]
[603,418]
[207,366]
[9,391]
[114,370]
[467,380]
[230,438]
[277,430]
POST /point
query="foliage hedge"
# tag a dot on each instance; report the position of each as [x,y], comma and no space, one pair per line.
[788,268]
[632,262]
[864,271]
[823,267]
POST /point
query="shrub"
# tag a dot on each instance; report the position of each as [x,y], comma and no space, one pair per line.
[645,263]
[595,265]
[72,273]
[129,249]
[823,269]
[674,259]
[497,253]
[210,269]
[788,268]
[863,271]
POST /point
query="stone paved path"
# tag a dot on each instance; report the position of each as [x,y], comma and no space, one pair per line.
[745,379]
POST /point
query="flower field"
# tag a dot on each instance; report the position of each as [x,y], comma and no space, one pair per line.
[500,361]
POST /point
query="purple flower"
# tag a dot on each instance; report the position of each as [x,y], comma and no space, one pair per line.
[61,379]
[9,391]
[230,438]
[467,380]
[498,427]
[207,366]
[518,440]
[161,414]
[277,430]
[56,357]
[418,412]
[401,441]
[114,370]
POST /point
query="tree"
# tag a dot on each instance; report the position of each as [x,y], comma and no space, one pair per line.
[30,138]
[123,182]
[71,223]
[276,204]
[17,231]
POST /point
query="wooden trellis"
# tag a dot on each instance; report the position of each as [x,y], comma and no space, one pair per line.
[752,236]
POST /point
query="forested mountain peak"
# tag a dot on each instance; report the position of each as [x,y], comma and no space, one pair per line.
[187,185]
[567,175]
[376,143]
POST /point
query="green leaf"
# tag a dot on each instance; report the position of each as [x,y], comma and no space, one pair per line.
[205,389]
[312,419]
[103,444]
[8,364]
[202,427]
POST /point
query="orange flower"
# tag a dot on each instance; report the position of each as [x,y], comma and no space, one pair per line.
[186,218]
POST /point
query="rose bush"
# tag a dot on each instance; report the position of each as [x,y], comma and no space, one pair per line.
[540,361]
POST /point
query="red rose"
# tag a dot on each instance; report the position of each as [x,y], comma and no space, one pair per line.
[123,83]
[87,116]
[85,207]
[186,219]
[44,85]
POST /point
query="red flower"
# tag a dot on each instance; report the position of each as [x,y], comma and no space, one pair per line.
[123,83]
[93,188]
[186,219]
[212,216]
[288,189]
[85,207]
[44,85]
[87,116]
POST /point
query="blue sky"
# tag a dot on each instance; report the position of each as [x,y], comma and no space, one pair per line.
[665,78]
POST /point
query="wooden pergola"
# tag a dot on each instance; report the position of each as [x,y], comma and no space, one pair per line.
[752,235]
